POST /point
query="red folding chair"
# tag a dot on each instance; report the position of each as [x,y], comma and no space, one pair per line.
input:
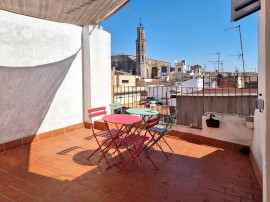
[137,145]
[108,137]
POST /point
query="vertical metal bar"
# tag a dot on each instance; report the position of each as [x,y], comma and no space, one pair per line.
[128,95]
[181,105]
[209,100]
[141,95]
[228,78]
[113,93]
[157,93]
[222,93]
[192,106]
[235,81]
[133,96]
[215,97]
[241,110]
[162,98]
[203,96]
[153,91]
[115,90]
[170,107]
[249,95]
[162,93]
[124,95]
[198,113]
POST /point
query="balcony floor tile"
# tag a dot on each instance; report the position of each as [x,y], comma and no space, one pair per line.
[56,169]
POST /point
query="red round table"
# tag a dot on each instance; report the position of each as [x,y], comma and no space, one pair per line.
[127,122]
[124,119]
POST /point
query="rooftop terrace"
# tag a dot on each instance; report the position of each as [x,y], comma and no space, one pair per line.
[56,169]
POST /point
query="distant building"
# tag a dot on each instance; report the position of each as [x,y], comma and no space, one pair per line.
[180,67]
[196,69]
[248,79]
[126,63]
[121,78]
[139,64]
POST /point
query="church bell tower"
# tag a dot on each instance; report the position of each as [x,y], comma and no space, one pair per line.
[141,51]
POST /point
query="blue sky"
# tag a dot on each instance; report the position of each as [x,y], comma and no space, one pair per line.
[185,29]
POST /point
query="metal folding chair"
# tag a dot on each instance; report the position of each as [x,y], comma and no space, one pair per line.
[137,144]
[116,108]
[162,130]
[108,137]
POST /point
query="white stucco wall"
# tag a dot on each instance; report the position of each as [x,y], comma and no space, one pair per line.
[232,129]
[96,69]
[261,141]
[66,108]
[27,41]
[260,117]
[100,65]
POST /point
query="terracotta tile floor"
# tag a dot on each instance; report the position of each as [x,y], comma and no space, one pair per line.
[57,170]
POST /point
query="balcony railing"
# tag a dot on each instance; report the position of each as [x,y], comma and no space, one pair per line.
[226,95]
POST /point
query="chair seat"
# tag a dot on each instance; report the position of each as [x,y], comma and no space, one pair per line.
[112,134]
[159,129]
[135,140]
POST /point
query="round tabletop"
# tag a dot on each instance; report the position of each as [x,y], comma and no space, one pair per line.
[142,111]
[121,119]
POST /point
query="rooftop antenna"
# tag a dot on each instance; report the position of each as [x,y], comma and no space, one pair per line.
[237,28]
[218,61]
[239,55]
[221,62]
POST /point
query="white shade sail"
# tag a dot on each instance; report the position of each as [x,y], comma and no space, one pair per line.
[78,12]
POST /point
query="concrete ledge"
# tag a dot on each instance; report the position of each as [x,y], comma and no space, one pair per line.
[207,141]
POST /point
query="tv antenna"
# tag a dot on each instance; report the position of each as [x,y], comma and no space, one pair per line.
[218,62]
[239,55]
[237,28]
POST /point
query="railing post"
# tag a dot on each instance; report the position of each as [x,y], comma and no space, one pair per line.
[203,95]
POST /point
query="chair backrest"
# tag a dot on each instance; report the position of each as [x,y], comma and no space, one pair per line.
[152,122]
[115,106]
[94,112]
[171,120]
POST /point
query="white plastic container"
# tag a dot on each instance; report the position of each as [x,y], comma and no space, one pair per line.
[153,106]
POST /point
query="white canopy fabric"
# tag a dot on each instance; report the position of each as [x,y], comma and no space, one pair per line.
[26,96]
[78,12]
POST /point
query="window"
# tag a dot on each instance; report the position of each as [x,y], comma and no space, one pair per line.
[179,69]
[163,69]
[125,81]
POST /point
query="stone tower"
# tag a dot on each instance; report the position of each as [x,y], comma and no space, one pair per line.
[141,51]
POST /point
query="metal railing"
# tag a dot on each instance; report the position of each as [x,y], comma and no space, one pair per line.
[192,98]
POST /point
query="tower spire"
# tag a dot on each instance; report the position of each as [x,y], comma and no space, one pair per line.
[141,51]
